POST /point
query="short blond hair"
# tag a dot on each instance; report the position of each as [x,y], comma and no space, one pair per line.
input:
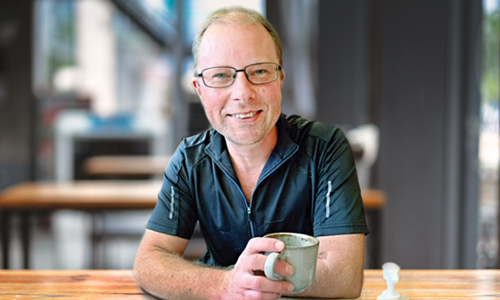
[236,14]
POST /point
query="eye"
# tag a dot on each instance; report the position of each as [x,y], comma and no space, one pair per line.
[220,75]
[261,72]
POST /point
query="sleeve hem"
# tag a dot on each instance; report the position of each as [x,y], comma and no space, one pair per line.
[163,228]
[322,231]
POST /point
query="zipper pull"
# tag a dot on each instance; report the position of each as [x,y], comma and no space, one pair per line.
[250,223]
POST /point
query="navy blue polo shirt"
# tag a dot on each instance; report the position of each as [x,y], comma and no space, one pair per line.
[308,185]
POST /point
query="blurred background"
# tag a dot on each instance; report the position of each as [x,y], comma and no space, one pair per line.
[413,83]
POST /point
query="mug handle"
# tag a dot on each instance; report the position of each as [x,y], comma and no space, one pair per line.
[269,266]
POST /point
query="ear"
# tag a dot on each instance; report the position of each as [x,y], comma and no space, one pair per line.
[195,81]
[282,78]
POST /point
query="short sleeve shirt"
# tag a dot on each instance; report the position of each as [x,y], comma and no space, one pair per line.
[309,185]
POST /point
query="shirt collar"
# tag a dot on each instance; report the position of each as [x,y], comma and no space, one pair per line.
[284,148]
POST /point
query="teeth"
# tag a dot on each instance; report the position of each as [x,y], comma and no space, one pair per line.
[243,116]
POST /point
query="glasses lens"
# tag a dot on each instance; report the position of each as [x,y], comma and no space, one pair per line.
[262,73]
[218,77]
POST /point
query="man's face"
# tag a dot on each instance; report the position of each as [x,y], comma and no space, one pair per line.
[244,113]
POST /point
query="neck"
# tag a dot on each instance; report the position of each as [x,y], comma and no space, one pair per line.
[249,160]
[255,155]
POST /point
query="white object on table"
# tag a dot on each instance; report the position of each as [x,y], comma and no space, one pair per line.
[391,275]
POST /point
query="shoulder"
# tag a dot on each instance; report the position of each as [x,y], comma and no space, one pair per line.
[301,129]
[190,152]
[320,142]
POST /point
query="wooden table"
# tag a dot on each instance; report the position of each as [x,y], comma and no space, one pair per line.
[107,284]
[126,166]
[62,284]
[436,284]
[82,195]
[98,195]
[93,196]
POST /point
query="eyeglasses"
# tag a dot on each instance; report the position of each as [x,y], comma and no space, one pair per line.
[220,77]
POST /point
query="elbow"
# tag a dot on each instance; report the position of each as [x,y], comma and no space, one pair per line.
[345,292]
[354,293]
[141,277]
[350,288]
[354,289]
[137,272]
[348,292]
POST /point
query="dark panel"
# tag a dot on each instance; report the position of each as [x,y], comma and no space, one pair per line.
[17,105]
[471,98]
[412,122]
[343,62]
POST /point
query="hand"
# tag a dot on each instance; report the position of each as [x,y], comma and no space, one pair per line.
[246,280]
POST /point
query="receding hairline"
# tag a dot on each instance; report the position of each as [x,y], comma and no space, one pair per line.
[236,15]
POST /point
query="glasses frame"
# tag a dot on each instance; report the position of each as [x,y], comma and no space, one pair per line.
[200,75]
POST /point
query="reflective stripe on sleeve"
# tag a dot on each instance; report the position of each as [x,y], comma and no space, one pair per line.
[328,199]
[172,200]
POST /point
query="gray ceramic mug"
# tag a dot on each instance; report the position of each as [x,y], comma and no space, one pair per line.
[301,251]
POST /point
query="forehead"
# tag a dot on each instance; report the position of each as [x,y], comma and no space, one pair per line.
[237,45]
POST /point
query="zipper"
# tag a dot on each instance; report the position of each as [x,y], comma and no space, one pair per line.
[249,215]
[249,208]
[265,175]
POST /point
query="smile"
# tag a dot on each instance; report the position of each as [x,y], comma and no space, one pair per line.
[244,116]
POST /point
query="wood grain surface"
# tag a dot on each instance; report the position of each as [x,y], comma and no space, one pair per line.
[62,284]
[107,194]
[109,284]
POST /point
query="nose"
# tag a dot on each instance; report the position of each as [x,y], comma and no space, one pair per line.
[242,89]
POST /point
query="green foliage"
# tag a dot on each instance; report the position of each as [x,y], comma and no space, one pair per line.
[491,56]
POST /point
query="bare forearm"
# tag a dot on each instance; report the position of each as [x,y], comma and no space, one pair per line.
[160,271]
[334,283]
[171,277]
[339,273]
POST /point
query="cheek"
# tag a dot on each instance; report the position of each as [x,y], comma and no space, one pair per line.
[206,105]
[276,97]
[269,93]
[211,103]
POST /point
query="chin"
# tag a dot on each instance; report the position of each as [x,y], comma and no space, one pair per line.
[244,141]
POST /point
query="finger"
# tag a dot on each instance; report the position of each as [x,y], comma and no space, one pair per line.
[263,284]
[247,286]
[251,294]
[259,245]
[256,263]
[252,264]
[254,260]
[284,268]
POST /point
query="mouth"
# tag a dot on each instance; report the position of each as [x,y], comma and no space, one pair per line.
[245,115]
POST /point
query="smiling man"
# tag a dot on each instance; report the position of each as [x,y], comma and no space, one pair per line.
[256,172]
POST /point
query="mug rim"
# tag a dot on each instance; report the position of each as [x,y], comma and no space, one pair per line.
[314,240]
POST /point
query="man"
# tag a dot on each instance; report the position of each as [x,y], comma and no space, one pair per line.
[256,172]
